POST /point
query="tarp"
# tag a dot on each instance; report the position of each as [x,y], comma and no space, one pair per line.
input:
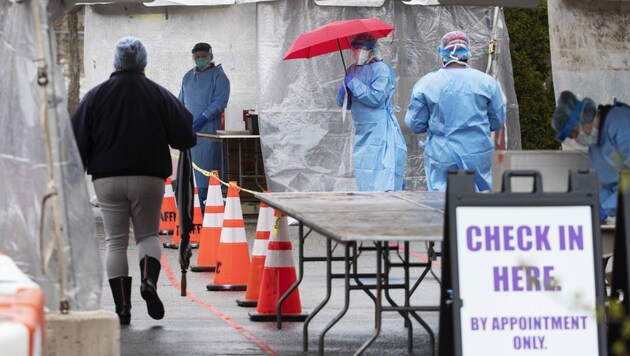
[306,146]
[24,176]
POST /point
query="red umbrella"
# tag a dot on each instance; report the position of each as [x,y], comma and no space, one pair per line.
[334,37]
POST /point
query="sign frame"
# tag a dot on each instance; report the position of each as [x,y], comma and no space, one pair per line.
[582,191]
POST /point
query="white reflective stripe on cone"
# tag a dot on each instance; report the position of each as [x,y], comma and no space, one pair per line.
[279,258]
[233,209]
[168,191]
[283,230]
[260,247]
[264,220]
[197,205]
[215,197]
[233,235]
[212,220]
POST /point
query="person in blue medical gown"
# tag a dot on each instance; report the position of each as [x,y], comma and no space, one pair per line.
[205,92]
[458,107]
[379,152]
[605,130]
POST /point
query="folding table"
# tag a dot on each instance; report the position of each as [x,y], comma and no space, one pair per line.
[350,219]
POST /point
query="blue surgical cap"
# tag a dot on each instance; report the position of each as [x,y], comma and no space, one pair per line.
[572,112]
[130,54]
[364,40]
[454,47]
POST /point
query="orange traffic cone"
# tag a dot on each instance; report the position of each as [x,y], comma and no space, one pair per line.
[211,229]
[233,256]
[259,252]
[195,234]
[168,218]
[278,276]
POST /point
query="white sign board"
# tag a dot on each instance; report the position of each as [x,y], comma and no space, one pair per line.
[527,280]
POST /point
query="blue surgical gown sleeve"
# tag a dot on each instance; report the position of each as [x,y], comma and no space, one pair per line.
[496,110]
[221,96]
[205,93]
[618,129]
[373,94]
[181,92]
[417,117]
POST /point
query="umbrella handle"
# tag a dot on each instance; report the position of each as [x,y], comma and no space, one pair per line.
[342,60]
[183,284]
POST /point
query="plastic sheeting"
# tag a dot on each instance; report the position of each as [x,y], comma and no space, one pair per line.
[24,177]
[306,145]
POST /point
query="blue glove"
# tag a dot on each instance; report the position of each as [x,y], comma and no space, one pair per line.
[347,80]
[342,92]
[199,122]
[602,214]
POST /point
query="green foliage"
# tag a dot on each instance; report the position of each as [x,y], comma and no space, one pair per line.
[529,49]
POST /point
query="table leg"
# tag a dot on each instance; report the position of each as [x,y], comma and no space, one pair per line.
[428,329]
[240,165]
[326,299]
[386,273]
[378,313]
[257,151]
[407,298]
[222,175]
[347,293]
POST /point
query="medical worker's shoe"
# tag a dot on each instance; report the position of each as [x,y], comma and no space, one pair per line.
[150,269]
[121,291]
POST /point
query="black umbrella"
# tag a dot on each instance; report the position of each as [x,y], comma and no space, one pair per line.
[185,202]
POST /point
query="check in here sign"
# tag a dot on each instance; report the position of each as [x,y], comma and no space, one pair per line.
[527,280]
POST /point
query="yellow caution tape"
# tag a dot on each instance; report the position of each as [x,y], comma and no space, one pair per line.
[276,225]
[208,174]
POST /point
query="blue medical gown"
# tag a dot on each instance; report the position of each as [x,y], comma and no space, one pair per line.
[206,93]
[611,155]
[379,152]
[458,107]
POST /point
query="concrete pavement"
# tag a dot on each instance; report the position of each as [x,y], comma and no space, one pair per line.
[210,323]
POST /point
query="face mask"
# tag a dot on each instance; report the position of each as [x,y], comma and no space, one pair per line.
[202,63]
[585,139]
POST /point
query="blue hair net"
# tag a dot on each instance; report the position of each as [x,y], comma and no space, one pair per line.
[454,46]
[571,112]
[202,46]
[130,54]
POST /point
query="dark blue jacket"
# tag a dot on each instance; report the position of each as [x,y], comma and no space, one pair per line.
[124,126]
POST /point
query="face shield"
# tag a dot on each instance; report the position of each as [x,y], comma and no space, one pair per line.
[360,55]
[564,132]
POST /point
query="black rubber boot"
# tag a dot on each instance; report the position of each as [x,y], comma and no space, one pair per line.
[150,270]
[121,291]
